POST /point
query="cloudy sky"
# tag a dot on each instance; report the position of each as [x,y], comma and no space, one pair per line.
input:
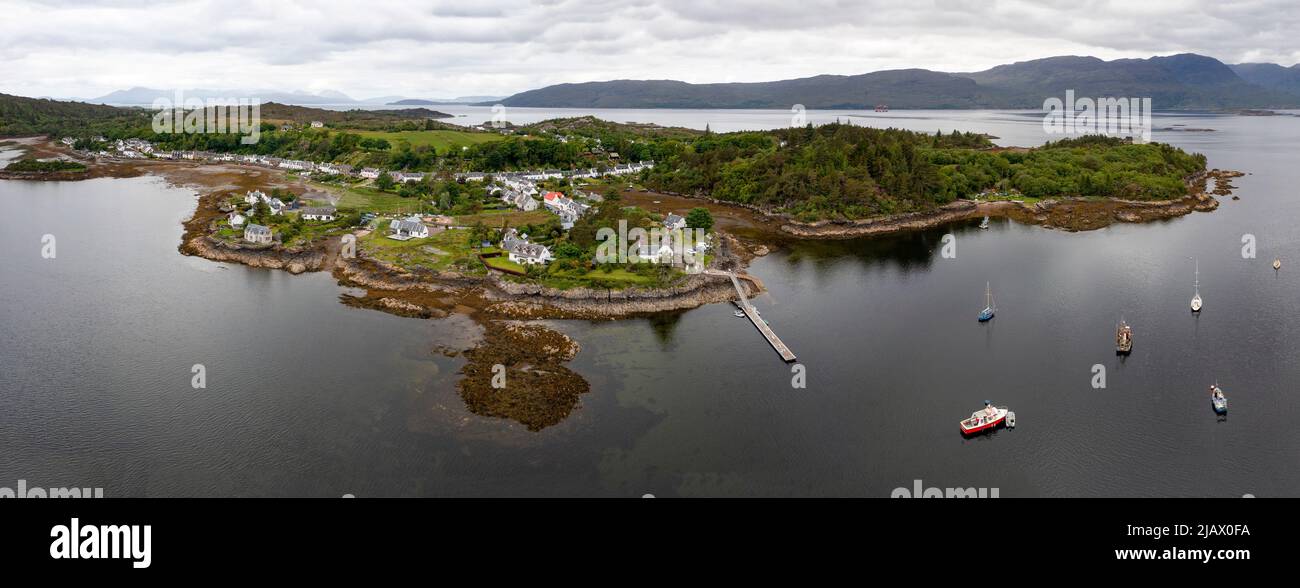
[440,49]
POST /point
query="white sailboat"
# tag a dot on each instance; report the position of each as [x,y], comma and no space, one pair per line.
[990,307]
[1196,296]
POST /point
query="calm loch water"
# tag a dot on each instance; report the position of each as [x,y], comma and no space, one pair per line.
[306,396]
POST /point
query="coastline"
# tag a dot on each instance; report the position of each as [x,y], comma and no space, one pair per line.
[394,290]
[1069,214]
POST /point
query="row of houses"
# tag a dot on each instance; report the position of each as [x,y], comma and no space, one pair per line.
[568,209]
[555,174]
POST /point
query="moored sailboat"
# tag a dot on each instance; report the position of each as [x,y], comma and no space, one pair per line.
[1196,296]
[990,308]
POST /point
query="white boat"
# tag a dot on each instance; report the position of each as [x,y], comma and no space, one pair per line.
[740,314]
[1196,296]
[1011,419]
[985,223]
[990,308]
[1218,400]
[1277,263]
[984,419]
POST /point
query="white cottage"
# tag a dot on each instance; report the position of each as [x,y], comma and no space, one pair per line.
[319,213]
[255,233]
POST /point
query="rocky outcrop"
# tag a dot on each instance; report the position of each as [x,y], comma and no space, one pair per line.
[846,229]
[525,301]
[292,260]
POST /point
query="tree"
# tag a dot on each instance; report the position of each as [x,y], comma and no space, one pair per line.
[478,234]
[699,218]
[384,182]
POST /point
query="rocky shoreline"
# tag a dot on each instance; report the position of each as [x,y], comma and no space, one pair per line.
[294,261]
[1070,214]
[396,291]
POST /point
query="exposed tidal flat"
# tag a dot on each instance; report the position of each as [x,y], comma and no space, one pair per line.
[323,399]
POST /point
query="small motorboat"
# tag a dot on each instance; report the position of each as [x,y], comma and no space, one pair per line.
[984,224]
[1011,419]
[985,419]
[1123,338]
[1218,400]
[1277,263]
[740,314]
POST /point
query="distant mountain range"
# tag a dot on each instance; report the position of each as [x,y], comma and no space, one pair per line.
[146,96]
[1186,81]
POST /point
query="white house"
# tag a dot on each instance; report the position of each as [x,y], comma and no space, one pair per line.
[255,233]
[525,202]
[236,220]
[369,173]
[317,124]
[255,196]
[276,205]
[403,229]
[520,251]
[673,222]
[530,254]
[320,213]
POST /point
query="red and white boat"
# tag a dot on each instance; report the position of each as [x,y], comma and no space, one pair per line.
[989,417]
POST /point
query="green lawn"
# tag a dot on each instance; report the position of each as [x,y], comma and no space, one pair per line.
[440,140]
[514,217]
[442,250]
[368,199]
[503,262]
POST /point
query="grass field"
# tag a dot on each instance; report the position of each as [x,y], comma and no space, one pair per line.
[493,218]
[441,250]
[367,199]
[503,262]
[440,140]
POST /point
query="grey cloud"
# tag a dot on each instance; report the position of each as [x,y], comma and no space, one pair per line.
[377,47]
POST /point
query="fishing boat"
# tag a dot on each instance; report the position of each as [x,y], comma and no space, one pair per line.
[1277,263]
[1218,400]
[990,308]
[984,224]
[1123,338]
[987,418]
[1196,296]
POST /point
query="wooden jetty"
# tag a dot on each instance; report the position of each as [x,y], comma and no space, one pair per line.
[752,314]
